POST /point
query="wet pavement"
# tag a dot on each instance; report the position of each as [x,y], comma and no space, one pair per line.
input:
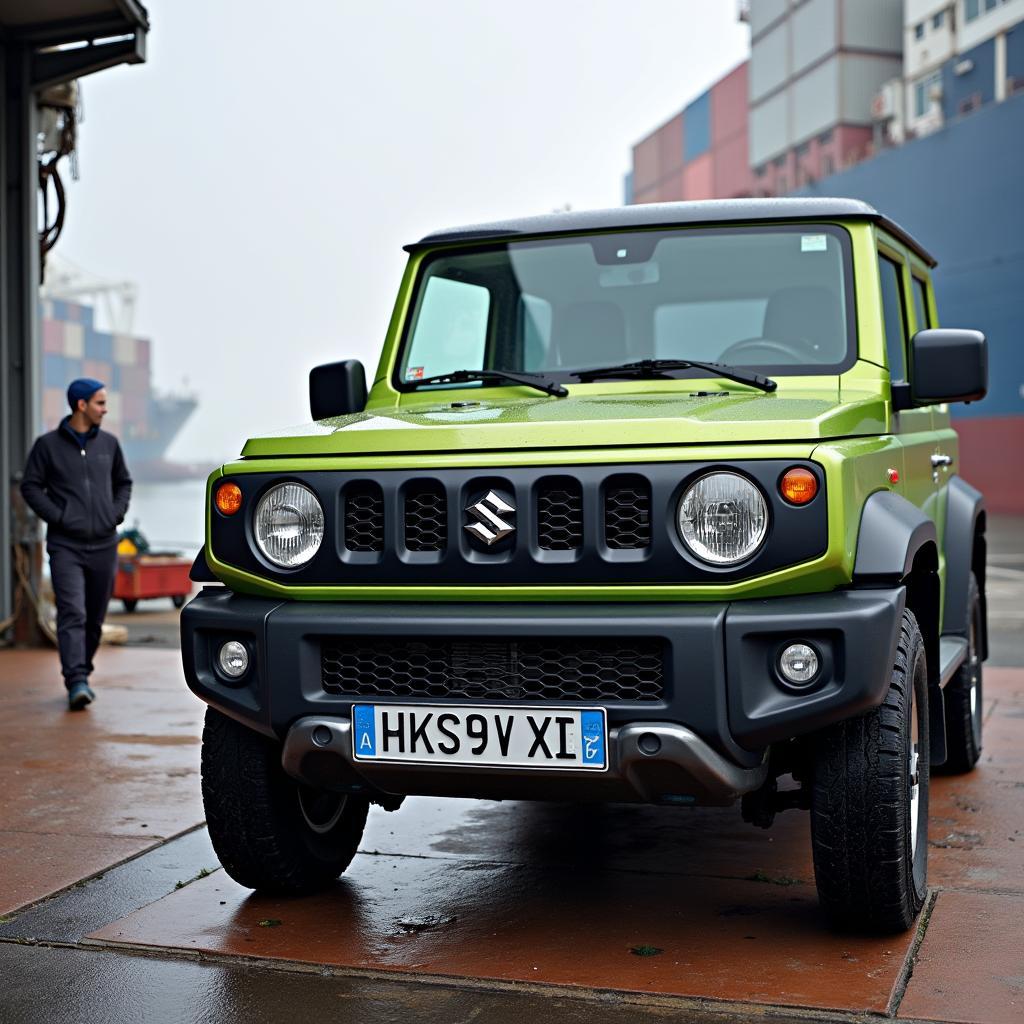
[458,910]
[83,791]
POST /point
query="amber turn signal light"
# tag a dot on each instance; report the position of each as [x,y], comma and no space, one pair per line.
[228,499]
[798,485]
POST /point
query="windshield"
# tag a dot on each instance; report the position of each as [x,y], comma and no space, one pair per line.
[773,298]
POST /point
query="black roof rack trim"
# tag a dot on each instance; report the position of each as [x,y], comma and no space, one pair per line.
[668,215]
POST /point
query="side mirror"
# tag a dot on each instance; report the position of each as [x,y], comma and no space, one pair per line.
[948,365]
[336,389]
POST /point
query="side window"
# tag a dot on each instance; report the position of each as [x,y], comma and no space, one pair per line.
[894,315]
[921,316]
[450,332]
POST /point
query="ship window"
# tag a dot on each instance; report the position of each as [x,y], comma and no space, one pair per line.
[923,101]
[919,30]
[972,8]
[894,315]
[938,19]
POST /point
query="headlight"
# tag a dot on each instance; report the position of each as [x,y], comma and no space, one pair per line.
[289,525]
[722,518]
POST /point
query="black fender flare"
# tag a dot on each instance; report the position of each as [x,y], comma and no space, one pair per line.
[892,532]
[964,548]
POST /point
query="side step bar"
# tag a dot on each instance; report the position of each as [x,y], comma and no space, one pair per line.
[952,654]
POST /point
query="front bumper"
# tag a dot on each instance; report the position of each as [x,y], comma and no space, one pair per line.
[722,705]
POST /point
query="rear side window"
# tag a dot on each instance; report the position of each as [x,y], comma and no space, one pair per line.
[921,316]
[894,315]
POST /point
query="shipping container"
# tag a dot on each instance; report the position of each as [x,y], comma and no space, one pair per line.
[97,369]
[55,406]
[698,181]
[697,127]
[124,349]
[56,371]
[134,380]
[74,341]
[53,337]
[729,107]
[731,176]
[99,345]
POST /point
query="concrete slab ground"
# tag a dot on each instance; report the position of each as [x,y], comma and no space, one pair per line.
[624,903]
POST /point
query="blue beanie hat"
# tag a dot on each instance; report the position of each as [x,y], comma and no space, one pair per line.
[83,387]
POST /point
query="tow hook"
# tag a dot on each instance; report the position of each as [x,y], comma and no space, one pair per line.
[760,807]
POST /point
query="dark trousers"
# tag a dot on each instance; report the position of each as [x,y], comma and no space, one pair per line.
[83,581]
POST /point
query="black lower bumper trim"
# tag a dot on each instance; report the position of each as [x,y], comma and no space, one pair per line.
[721,678]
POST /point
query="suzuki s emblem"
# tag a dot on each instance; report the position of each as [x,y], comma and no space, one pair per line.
[490,525]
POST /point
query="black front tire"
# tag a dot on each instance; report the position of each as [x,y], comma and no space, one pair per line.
[178,600]
[130,603]
[270,832]
[963,697]
[869,825]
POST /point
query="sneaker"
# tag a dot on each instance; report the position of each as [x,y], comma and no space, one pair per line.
[79,695]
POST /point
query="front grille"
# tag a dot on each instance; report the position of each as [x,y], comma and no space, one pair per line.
[627,514]
[549,669]
[426,518]
[560,515]
[364,517]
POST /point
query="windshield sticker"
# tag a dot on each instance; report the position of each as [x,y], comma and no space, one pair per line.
[813,243]
[414,373]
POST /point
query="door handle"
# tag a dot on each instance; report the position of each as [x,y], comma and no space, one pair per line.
[941,460]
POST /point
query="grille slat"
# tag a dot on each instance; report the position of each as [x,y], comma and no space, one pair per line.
[556,669]
[426,518]
[560,515]
[627,514]
[364,517]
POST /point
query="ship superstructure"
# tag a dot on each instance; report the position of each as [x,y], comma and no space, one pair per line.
[916,107]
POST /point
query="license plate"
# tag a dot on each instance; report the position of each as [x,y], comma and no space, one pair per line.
[501,737]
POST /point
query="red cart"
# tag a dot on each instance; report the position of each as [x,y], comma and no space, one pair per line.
[140,577]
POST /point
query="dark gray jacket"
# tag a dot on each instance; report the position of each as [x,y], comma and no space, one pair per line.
[81,493]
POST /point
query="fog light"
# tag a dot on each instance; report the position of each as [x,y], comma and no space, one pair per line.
[798,664]
[233,659]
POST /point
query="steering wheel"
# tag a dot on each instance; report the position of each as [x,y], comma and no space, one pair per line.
[738,348]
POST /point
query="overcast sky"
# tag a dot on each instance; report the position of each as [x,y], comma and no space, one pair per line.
[259,174]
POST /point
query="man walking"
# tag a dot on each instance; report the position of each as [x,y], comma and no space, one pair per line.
[77,482]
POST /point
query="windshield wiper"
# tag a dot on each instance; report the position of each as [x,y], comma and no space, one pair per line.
[660,368]
[529,380]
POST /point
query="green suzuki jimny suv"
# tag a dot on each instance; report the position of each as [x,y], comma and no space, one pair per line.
[653,504]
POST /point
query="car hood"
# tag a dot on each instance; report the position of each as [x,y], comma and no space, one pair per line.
[582,421]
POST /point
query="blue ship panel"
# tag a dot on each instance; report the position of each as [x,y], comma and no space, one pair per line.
[978,82]
[1015,52]
[697,127]
[958,191]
